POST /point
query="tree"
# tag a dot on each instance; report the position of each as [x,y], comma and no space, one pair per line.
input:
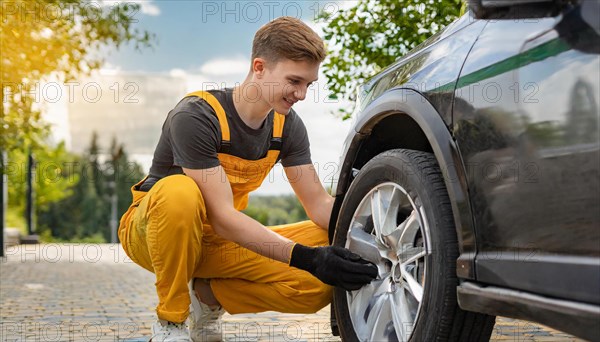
[86,211]
[53,180]
[53,37]
[122,174]
[42,38]
[369,36]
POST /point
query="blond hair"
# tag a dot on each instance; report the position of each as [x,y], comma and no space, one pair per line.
[288,38]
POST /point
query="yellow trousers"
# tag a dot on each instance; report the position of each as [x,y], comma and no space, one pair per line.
[165,232]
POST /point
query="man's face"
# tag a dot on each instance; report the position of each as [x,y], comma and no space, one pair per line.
[286,82]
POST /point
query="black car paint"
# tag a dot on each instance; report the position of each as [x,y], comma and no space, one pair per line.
[533,174]
[524,186]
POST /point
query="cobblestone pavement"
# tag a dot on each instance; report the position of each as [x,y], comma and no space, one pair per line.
[90,292]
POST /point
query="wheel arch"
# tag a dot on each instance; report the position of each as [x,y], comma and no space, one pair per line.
[403,118]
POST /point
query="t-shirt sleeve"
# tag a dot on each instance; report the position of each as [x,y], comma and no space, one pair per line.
[194,138]
[296,146]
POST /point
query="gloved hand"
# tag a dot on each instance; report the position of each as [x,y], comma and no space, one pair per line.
[334,266]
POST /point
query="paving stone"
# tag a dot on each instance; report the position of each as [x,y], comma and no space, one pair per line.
[88,292]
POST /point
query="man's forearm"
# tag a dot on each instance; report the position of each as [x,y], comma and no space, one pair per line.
[251,234]
[321,211]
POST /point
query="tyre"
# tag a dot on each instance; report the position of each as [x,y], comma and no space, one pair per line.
[397,214]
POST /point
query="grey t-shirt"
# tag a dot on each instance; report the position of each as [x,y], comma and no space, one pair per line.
[191,137]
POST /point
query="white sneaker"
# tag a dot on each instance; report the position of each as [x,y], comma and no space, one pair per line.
[163,331]
[205,323]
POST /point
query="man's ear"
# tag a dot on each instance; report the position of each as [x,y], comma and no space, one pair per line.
[258,67]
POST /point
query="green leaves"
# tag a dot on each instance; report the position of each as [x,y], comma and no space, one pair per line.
[59,37]
[83,210]
[275,210]
[364,39]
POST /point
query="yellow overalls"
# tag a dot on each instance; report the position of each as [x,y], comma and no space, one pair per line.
[166,231]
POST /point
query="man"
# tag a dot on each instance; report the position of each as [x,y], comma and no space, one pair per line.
[185,223]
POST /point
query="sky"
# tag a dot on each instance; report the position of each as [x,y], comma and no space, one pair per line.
[191,33]
[209,42]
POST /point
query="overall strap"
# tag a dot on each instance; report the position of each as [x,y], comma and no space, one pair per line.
[278,122]
[216,106]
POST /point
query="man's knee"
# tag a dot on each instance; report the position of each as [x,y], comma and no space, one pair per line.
[317,302]
[314,299]
[179,195]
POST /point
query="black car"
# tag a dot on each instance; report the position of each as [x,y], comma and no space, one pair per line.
[471,178]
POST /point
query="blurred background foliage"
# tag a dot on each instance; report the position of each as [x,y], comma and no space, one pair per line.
[367,37]
[72,192]
[60,39]
[275,210]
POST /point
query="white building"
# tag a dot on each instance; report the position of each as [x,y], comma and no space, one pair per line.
[130,107]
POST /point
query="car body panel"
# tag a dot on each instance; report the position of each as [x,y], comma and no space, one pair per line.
[431,69]
[573,317]
[531,152]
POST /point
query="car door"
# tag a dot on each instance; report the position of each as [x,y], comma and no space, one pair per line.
[526,121]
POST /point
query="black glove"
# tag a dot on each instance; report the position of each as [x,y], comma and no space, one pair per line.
[334,266]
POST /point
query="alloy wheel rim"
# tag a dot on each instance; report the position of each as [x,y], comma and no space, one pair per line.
[390,229]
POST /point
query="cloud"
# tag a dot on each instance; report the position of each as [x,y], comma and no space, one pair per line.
[177,73]
[568,73]
[223,66]
[147,7]
[109,69]
[214,74]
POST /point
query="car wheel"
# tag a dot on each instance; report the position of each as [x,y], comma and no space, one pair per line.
[397,214]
